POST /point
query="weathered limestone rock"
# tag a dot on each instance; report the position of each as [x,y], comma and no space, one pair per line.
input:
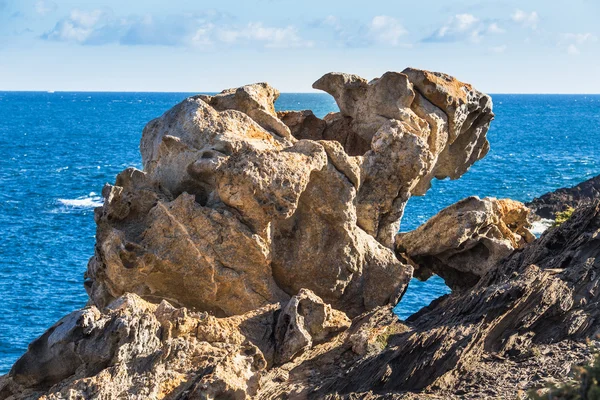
[420,125]
[256,101]
[549,204]
[340,262]
[231,213]
[398,159]
[305,321]
[141,350]
[465,240]
[178,250]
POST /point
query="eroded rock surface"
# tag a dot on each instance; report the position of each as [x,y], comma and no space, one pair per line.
[540,303]
[140,350]
[420,125]
[239,206]
[231,265]
[465,240]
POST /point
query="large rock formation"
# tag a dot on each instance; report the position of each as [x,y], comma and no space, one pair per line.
[239,207]
[525,324]
[549,204]
[229,266]
[465,240]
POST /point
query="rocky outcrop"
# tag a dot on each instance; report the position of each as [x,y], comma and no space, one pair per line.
[231,265]
[239,207]
[523,324]
[465,240]
[212,221]
[141,350]
[549,204]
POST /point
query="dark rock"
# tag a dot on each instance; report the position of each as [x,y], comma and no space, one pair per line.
[549,204]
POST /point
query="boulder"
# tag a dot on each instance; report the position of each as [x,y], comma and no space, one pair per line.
[303,322]
[465,240]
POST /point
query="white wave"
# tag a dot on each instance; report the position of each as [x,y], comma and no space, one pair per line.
[540,226]
[90,201]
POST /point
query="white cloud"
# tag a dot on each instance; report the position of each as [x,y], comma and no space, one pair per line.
[79,26]
[98,27]
[574,41]
[381,30]
[498,49]
[386,30]
[579,38]
[270,36]
[44,7]
[459,27]
[572,49]
[202,37]
[495,29]
[526,19]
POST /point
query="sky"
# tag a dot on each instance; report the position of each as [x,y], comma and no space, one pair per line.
[500,46]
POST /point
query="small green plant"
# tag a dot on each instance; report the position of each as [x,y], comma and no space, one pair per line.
[585,386]
[563,216]
[382,339]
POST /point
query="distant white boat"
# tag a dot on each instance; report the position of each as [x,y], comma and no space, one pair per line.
[50,91]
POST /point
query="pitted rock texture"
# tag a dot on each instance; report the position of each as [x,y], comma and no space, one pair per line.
[140,350]
[420,125]
[239,206]
[229,266]
[465,240]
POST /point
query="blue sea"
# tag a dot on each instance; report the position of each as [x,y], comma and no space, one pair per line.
[57,150]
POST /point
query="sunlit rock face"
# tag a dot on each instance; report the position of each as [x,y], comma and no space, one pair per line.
[464,241]
[257,256]
[239,206]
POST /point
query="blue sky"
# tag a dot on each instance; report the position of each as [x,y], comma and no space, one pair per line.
[505,46]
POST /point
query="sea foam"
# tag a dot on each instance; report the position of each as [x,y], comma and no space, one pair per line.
[90,201]
[540,226]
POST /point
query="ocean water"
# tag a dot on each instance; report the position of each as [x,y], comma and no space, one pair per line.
[58,149]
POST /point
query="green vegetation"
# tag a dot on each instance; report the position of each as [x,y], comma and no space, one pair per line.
[382,339]
[585,386]
[563,216]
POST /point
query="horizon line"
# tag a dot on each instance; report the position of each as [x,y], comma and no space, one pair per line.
[281,92]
